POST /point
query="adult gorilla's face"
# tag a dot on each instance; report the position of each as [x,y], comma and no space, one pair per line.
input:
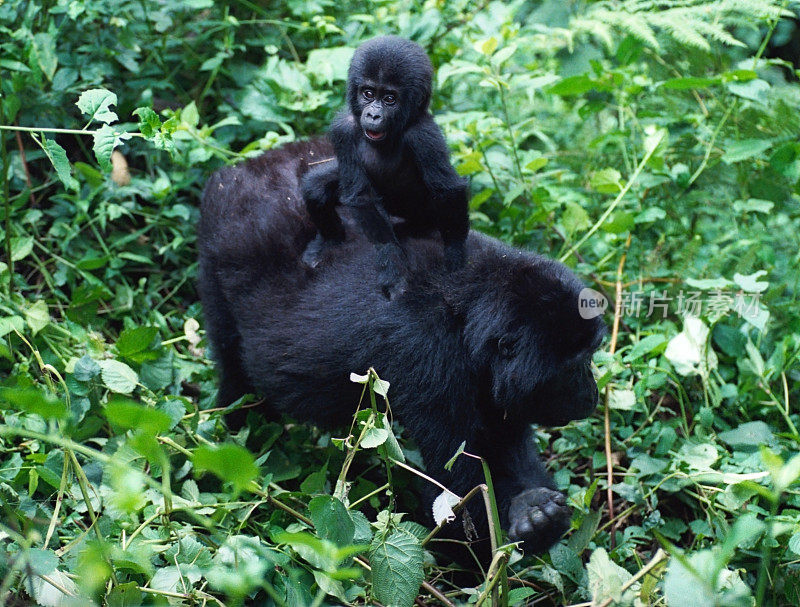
[535,347]
[529,383]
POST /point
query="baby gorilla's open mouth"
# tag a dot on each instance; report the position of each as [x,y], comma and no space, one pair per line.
[374,135]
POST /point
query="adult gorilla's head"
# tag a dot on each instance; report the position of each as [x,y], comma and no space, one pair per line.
[388,86]
[528,340]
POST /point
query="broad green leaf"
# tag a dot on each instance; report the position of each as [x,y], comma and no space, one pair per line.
[736,151]
[21,247]
[130,415]
[58,157]
[606,181]
[332,520]
[624,400]
[96,104]
[606,579]
[45,45]
[125,595]
[118,377]
[645,346]
[230,462]
[397,568]
[748,435]
[32,400]
[374,437]
[574,85]
[133,341]
[37,316]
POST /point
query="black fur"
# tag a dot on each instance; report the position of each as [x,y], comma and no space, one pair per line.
[405,173]
[472,355]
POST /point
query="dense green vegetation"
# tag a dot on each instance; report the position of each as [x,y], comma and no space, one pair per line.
[653,146]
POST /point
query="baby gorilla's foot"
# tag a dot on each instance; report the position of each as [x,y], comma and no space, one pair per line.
[538,517]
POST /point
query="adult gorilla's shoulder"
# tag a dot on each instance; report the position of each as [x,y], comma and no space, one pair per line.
[473,355]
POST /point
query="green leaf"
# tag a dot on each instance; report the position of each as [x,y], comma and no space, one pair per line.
[37,316]
[118,377]
[645,346]
[42,562]
[397,569]
[574,85]
[133,416]
[135,340]
[96,104]
[332,520]
[374,437]
[45,45]
[743,149]
[230,462]
[32,400]
[606,579]
[449,464]
[124,595]
[680,84]
[58,157]
[794,543]
[105,140]
[606,181]
[149,122]
[21,247]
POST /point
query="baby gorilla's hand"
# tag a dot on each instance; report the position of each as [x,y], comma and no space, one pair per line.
[538,517]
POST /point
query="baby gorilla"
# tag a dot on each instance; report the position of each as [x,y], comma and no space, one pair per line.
[391,159]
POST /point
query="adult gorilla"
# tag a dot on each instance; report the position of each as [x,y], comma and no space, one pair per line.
[472,355]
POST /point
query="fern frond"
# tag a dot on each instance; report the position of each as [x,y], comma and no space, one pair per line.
[694,23]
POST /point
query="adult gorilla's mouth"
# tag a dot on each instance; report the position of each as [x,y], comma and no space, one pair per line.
[374,135]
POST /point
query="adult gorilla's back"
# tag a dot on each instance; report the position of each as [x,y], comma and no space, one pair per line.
[474,355]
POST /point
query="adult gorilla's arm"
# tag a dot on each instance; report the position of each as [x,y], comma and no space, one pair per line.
[447,189]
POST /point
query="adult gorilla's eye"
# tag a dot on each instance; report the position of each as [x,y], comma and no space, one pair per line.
[389,99]
[369,94]
[505,346]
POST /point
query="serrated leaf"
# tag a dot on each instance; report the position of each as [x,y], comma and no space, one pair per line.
[443,507]
[748,435]
[58,157]
[397,569]
[96,104]
[149,122]
[118,377]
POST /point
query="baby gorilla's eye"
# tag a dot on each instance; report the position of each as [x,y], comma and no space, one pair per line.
[389,99]
[369,94]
